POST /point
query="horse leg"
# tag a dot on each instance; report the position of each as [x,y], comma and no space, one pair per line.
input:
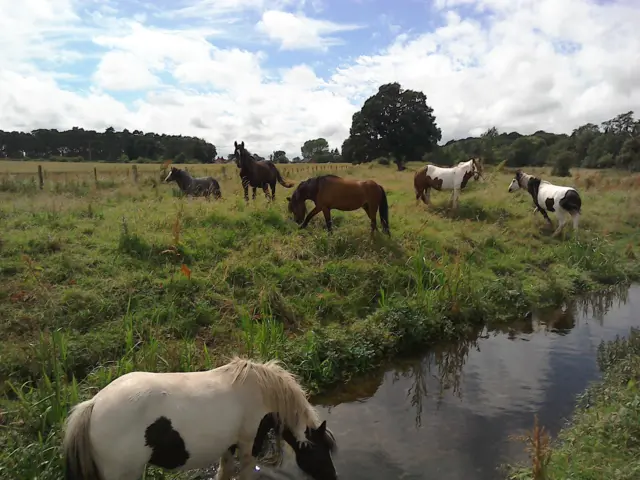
[562,219]
[327,218]
[426,196]
[575,216]
[225,469]
[455,196]
[546,216]
[310,215]
[245,186]
[254,193]
[273,191]
[371,212]
[247,461]
[265,189]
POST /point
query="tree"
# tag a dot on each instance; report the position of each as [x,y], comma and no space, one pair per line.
[562,164]
[279,156]
[393,122]
[111,146]
[314,148]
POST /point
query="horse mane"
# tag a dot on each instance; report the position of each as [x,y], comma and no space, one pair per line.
[533,185]
[280,390]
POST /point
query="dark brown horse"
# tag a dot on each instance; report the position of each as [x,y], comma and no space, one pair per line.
[332,192]
[257,173]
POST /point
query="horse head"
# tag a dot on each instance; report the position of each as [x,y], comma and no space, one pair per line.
[296,204]
[173,174]
[314,456]
[516,183]
[240,153]
[477,169]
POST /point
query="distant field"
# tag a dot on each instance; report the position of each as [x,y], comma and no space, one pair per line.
[100,278]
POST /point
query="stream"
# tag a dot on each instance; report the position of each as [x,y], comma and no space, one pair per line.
[449,413]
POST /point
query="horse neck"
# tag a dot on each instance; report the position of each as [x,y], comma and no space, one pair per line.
[524,183]
[183,179]
[282,395]
[248,163]
[466,166]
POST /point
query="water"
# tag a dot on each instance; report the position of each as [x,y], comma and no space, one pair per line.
[449,414]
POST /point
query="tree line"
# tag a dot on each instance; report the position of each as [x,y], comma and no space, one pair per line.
[83,145]
[394,125]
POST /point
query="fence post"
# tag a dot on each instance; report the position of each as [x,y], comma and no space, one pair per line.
[40,177]
[95,175]
[134,169]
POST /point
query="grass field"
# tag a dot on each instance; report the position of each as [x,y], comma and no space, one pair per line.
[101,276]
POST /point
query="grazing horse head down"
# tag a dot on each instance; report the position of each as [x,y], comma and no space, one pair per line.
[257,174]
[200,186]
[184,421]
[333,192]
[446,178]
[547,197]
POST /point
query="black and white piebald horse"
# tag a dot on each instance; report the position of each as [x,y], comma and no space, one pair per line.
[547,197]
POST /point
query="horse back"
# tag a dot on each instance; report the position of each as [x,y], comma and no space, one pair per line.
[346,193]
[549,192]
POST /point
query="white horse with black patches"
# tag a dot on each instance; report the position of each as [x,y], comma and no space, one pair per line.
[445,178]
[184,421]
[547,197]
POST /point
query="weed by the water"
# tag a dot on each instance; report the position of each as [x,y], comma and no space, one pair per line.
[603,439]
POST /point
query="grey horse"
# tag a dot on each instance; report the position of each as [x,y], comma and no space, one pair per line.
[200,186]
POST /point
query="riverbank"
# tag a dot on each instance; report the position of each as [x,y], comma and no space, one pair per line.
[98,279]
[603,439]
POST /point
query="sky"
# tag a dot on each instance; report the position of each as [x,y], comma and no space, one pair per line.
[274,73]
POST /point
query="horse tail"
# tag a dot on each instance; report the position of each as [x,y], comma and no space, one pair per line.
[384,211]
[571,202]
[418,184]
[281,180]
[215,188]
[76,445]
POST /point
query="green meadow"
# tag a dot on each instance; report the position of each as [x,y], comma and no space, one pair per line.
[101,274]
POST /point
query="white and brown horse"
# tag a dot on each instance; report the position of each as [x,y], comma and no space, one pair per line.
[183,421]
[445,178]
[547,197]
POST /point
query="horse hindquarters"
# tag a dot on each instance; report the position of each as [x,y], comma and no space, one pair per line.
[572,204]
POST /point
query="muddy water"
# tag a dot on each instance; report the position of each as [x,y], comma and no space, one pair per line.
[449,413]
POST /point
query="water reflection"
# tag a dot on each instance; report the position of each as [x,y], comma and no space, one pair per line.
[450,413]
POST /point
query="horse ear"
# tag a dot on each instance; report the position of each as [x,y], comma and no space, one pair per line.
[322,428]
[242,144]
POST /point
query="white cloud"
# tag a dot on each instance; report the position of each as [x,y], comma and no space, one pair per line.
[529,65]
[298,32]
[124,71]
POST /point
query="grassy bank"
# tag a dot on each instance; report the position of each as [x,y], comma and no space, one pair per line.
[603,440]
[102,276]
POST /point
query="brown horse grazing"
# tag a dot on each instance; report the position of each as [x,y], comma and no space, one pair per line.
[332,192]
[257,173]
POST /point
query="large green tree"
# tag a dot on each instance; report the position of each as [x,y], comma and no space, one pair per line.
[394,122]
[312,149]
